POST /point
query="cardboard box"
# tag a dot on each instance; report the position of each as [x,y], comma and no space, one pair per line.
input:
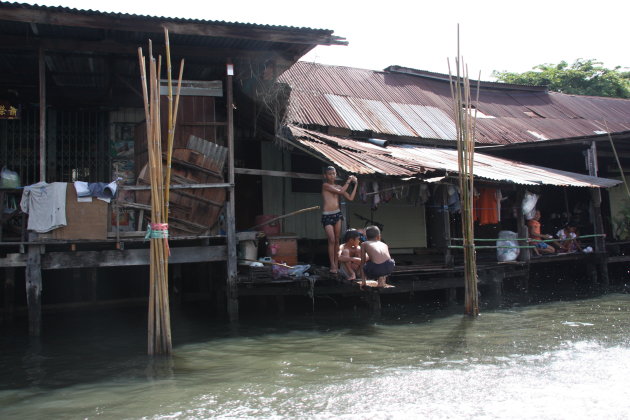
[85,220]
[283,248]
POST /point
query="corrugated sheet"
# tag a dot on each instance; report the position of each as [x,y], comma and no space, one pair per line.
[91,12]
[420,105]
[411,160]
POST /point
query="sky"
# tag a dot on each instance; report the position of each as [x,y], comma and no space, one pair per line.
[494,35]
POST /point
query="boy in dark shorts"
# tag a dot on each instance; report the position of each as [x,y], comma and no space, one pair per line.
[331,211]
[375,259]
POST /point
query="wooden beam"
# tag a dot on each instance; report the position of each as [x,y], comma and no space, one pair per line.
[117,258]
[598,222]
[232,287]
[33,275]
[282,174]
[176,186]
[9,293]
[108,46]
[130,23]
[42,115]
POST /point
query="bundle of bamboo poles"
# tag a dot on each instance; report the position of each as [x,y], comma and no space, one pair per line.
[465,123]
[159,327]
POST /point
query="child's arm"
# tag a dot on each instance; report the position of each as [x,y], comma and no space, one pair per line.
[363,260]
[350,196]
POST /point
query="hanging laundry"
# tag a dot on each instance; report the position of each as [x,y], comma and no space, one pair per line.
[45,205]
[529,205]
[486,206]
[363,192]
[453,201]
[376,199]
[387,193]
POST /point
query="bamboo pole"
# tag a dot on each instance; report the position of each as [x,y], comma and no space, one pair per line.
[284,216]
[465,126]
[159,326]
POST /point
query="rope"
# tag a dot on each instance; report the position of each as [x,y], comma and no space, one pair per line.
[158,231]
[530,239]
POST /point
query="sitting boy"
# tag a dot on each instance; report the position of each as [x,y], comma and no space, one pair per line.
[350,254]
[533,227]
[375,259]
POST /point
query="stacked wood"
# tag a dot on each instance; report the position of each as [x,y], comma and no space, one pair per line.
[159,328]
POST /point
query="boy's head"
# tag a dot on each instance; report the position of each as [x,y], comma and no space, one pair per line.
[372,233]
[330,173]
[352,234]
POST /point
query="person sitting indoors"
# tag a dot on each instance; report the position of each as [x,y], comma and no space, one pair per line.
[568,237]
[350,254]
[375,259]
[533,227]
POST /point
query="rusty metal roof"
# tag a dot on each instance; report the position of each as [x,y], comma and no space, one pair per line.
[418,104]
[406,160]
[123,17]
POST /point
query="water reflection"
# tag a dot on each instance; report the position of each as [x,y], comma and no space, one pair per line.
[554,360]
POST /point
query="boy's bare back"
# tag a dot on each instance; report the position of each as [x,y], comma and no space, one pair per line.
[377,251]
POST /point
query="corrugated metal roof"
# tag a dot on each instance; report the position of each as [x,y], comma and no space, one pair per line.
[419,105]
[407,160]
[92,12]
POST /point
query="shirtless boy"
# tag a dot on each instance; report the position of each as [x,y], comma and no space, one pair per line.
[350,254]
[331,212]
[375,259]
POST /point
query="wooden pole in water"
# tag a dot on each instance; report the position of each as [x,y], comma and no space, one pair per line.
[465,125]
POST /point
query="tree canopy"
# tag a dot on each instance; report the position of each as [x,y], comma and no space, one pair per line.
[583,77]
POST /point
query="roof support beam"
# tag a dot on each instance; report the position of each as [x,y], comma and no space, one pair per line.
[134,23]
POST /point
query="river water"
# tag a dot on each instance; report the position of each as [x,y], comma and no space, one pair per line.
[560,360]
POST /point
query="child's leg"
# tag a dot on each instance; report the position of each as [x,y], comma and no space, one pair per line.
[332,247]
[337,234]
[347,268]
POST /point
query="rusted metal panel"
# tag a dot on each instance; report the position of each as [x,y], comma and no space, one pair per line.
[418,104]
[412,160]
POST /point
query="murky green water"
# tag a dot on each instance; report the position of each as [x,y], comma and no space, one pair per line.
[563,360]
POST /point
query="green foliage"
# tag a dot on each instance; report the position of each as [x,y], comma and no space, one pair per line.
[584,77]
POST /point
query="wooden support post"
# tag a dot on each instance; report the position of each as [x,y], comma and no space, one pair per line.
[280,304]
[34,289]
[446,222]
[9,294]
[524,255]
[76,285]
[93,279]
[178,292]
[374,303]
[598,223]
[451,296]
[232,287]
[42,115]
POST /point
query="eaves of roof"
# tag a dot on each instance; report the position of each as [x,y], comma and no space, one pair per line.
[400,161]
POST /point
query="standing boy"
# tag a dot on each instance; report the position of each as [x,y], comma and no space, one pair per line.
[350,254]
[375,259]
[331,211]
